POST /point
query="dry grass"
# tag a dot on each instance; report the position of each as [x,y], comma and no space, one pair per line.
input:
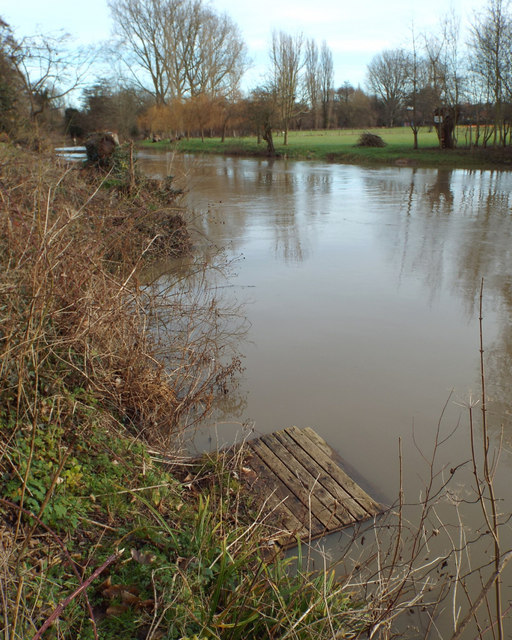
[88,354]
[73,306]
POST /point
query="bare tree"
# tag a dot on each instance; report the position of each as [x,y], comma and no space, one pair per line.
[48,68]
[261,113]
[286,65]
[422,99]
[388,75]
[217,57]
[444,78]
[415,82]
[454,81]
[141,24]
[228,113]
[491,44]
[312,80]
[326,79]
[341,98]
[182,47]
[318,82]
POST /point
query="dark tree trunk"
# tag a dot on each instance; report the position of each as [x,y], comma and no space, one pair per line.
[445,127]
[267,136]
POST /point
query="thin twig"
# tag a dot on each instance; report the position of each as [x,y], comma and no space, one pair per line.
[60,608]
[12,505]
[489,478]
[496,574]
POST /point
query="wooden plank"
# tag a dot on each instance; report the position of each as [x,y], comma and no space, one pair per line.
[331,493]
[357,492]
[356,510]
[293,504]
[303,487]
[309,476]
[359,495]
[339,462]
[317,514]
[352,486]
[276,496]
[312,443]
[284,488]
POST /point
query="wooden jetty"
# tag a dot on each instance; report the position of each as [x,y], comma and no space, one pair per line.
[303,492]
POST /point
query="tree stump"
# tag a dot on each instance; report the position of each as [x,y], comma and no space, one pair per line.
[100,147]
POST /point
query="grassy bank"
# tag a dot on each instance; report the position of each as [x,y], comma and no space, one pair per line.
[340,146]
[100,539]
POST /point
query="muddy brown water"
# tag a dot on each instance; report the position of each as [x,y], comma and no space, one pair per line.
[361,288]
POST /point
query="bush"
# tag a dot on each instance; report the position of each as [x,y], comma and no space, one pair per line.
[368,139]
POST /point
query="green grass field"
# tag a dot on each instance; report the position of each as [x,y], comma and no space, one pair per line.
[339,146]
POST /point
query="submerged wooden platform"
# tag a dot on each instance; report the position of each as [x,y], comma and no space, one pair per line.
[301,488]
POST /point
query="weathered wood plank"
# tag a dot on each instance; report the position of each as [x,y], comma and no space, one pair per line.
[301,488]
[309,476]
[311,441]
[310,524]
[302,483]
[274,495]
[339,462]
[336,459]
[331,493]
[357,509]
[310,507]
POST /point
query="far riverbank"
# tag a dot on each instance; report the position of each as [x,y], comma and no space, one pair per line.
[340,146]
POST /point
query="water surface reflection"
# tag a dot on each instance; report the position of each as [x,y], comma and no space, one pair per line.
[362,287]
[364,290]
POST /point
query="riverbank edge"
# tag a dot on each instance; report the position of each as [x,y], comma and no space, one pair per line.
[391,155]
[103,535]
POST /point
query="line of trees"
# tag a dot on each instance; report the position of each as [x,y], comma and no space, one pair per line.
[436,83]
[182,63]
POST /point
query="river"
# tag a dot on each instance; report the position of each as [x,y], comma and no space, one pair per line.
[361,288]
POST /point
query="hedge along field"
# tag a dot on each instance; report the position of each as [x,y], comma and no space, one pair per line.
[339,145]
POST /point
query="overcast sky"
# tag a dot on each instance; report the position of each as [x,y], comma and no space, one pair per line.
[355,30]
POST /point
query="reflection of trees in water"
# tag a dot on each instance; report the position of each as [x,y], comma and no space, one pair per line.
[416,231]
[238,190]
[471,240]
[439,192]
[280,183]
[231,406]
[288,244]
[317,182]
[499,368]
[244,183]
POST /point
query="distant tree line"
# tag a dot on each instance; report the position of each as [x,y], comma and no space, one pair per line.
[182,62]
[442,82]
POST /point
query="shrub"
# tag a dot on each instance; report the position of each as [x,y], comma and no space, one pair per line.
[368,139]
